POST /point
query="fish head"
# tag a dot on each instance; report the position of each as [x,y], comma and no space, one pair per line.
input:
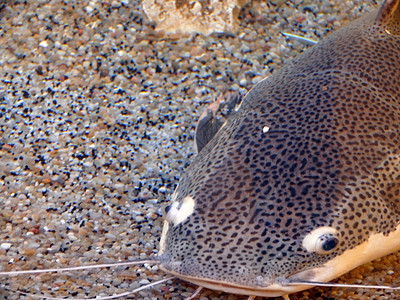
[251,228]
[301,183]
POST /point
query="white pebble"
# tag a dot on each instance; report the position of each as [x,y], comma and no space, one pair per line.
[44,44]
[72,237]
[243,82]
[89,9]
[144,281]
[88,164]
[5,246]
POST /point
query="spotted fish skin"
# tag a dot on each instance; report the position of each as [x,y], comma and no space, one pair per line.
[317,144]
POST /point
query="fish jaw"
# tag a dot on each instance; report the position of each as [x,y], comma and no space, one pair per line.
[261,288]
[376,246]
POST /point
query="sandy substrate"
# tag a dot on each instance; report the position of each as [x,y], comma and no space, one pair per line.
[97,116]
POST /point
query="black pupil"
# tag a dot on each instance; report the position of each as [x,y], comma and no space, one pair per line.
[330,244]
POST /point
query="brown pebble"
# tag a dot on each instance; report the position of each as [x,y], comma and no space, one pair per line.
[196,51]
[45,277]
[34,230]
[83,232]
[46,180]
[28,252]
[7,146]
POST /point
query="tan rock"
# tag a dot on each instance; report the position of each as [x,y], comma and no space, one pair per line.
[202,16]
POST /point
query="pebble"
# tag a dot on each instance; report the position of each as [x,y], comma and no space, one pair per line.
[44,44]
[5,246]
[97,118]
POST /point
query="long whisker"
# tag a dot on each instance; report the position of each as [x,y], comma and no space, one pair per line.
[79,268]
[302,39]
[133,291]
[195,294]
[102,298]
[344,285]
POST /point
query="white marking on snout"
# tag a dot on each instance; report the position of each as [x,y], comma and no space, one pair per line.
[163,237]
[180,211]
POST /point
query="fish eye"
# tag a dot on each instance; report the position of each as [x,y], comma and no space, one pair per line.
[326,243]
[323,240]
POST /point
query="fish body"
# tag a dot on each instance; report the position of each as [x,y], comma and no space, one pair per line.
[302,182]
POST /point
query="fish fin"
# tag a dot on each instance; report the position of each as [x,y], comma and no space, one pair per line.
[209,123]
[233,102]
[207,126]
[389,16]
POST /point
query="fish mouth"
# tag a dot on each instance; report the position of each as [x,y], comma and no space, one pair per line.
[263,288]
[281,286]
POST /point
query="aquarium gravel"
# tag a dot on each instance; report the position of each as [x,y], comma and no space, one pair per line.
[97,117]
